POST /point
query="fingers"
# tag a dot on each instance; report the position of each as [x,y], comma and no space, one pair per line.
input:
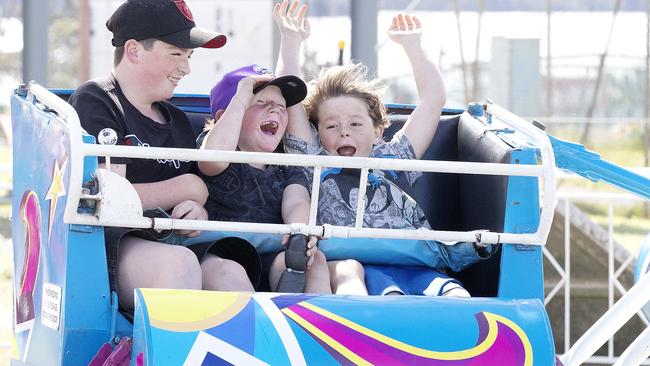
[285,240]
[292,9]
[306,26]
[247,84]
[301,13]
[181,210]
[405,23]
[188,233]
[283,8]
[189,210]
[312,246]
[417,22]
[394,25]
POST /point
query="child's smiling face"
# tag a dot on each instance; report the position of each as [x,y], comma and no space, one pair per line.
[264,122]
[345,127]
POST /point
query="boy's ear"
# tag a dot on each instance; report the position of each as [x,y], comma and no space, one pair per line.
[218,114]
[132,50]
[379,132]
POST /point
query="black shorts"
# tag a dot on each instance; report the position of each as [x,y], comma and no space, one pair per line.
[236,249]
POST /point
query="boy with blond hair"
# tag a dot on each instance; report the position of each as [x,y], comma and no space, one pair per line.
[344,116]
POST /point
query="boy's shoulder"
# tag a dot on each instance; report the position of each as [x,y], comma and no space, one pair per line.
[398,147]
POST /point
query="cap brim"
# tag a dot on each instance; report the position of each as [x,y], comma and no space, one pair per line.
[293,89]
[195,37]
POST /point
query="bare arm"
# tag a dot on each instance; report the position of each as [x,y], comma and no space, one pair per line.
[295,209]
[423,122]
[168,193]
[224,135]
[294,29]
[295,204]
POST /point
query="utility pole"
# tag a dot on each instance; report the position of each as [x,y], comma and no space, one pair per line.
[599,76]
[646,112]
[363,17]
[463,67]
[84,40]
[34,57]
[549,60]
[476,80]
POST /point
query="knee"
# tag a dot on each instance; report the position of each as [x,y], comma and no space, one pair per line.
[224,275]
[228,268]
[351,267]
[181,270]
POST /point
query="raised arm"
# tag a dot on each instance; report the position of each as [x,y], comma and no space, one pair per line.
[293,26]
[406,30]
[224,135]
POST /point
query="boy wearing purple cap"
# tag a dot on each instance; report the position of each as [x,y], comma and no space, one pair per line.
[250,107]
[154,40]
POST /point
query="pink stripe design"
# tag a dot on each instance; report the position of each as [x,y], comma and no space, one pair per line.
[31,214]
[507,350]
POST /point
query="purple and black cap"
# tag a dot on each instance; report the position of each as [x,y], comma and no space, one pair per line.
[170,21]
[293,89]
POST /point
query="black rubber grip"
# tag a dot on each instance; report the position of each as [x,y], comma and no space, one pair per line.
[295,256]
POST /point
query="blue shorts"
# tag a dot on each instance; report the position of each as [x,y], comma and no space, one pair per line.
[408,280]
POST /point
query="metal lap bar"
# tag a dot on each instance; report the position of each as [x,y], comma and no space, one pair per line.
[79,150]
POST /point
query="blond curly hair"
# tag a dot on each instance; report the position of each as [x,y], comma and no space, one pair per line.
[348,80]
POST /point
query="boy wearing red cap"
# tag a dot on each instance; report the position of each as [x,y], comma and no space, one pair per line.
[154,40]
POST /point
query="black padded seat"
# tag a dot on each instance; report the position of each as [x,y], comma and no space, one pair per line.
[464,202]
[197,120]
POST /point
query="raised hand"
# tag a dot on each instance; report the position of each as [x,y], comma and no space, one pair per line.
[405,30]
[291,20]
[246,86]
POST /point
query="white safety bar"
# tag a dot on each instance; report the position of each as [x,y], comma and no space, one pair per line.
[543,143]
[609,323]
[79,150]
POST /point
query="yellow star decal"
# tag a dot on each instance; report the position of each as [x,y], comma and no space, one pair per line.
[56,190]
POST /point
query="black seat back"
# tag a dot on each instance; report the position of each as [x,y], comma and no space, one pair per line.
[464,201]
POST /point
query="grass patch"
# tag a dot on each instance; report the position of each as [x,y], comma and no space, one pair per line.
[629,232]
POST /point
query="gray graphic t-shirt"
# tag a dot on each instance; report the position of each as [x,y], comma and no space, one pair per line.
[389,204]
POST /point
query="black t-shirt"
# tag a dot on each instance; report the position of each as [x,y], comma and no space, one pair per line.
[105,113]
[244,193]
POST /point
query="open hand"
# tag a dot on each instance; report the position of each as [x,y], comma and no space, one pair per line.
[405,29]
[292,22]
[189,210]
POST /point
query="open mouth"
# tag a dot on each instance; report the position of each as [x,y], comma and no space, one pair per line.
[269,128]
[346,150]
[174,80]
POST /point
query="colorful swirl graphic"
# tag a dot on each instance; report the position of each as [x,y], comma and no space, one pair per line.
[500,342]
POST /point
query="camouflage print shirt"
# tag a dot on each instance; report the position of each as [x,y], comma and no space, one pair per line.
[389,202]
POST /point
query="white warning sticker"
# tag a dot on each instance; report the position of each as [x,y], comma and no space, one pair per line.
[51,309]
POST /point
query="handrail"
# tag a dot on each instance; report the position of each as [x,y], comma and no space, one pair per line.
[617,315]
[78,150]
[548,163]
[637,352]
